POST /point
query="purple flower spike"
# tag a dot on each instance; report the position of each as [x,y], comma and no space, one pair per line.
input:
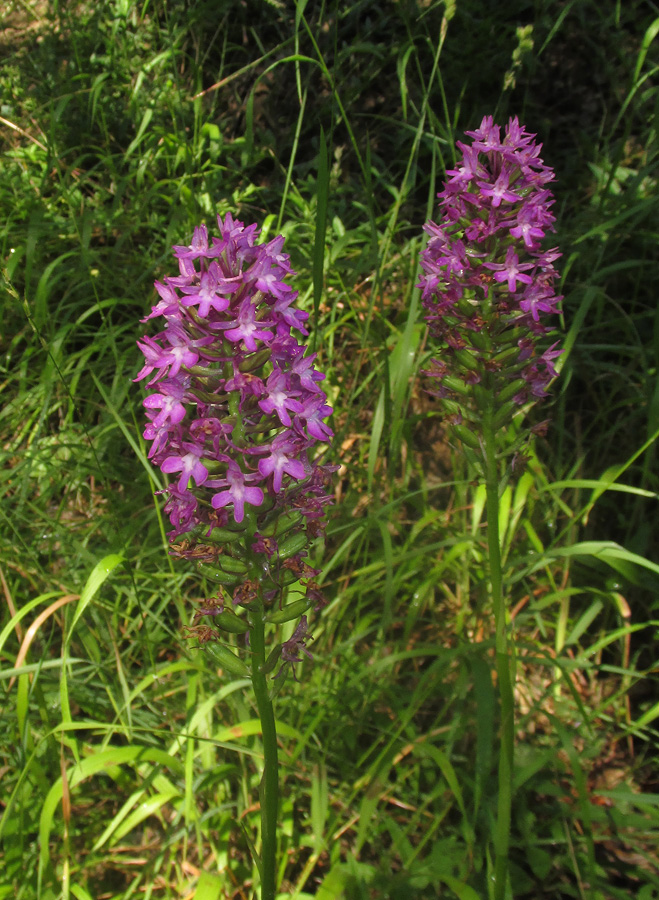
[484,271]
[235,409]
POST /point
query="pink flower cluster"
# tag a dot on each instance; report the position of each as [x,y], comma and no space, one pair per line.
[488,286]
[235,410]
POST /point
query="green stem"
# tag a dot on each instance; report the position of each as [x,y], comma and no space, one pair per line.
[503,661]
[269,787]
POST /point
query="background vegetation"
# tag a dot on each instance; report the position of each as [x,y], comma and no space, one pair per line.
[128,763]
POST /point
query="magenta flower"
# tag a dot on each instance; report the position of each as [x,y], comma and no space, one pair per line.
[188,464]
[198,246]
[279,397]
[499,190]
[528,226]
[208,293]
[238,493]
[169,403]
[180,352]
[247,329]
[282,459]
[511,271]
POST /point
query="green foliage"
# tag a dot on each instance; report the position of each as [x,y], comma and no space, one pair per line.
[129,760]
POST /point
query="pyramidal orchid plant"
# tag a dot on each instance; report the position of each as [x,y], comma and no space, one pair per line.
[489,291]
[237,420]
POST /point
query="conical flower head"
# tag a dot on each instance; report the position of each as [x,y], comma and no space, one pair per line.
[236,412]
[488,285]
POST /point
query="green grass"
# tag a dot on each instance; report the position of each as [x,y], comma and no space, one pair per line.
[128,767]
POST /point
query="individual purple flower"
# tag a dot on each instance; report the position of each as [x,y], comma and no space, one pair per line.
[168,305]
[181,507]
[486,137]
[279,397]
[168,401]
[528,227]
[209,293]
[283,459]
[237,493]
[511,270]
[246,328]
[270,283]
[188,464]
[471,168]
[312,413]
[309,377]
[166,360]
[538,300]
[198,246]
[498,191]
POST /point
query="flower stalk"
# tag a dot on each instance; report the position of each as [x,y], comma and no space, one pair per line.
[504,659]
[269,787]
[237,417]
[488,289]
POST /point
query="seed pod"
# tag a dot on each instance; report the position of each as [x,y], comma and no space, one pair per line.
[228,660]
[467,437]
[271,661]
[292,545]
[504,414]
[232,565]
[229,621]
[511,389]
[217,575]
[467,360]
[223,535]
[255,360]
[286,577]
[481,340]
[453,407]
[289,612]
[507,355]
[455,384]
[281,523]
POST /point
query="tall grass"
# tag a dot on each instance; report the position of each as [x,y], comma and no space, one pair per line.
[128,764]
